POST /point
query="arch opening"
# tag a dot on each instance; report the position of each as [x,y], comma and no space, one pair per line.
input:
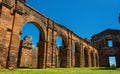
[31,30]
[31,46]
[59,41]
[75,56]
[60,51]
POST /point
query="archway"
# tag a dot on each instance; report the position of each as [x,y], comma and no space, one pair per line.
[75,56]
[85,57]
[31,49]
[61,54]
[59,41]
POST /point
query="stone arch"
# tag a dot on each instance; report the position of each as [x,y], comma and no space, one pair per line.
[10,36]
[64,38]
[59,52]
[86,57]
[39,26]
[61,61]
[76,55]
[40,45]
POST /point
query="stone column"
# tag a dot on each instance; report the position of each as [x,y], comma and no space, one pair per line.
[82,60]
[45,54]
[69,48]
[57,58]
[94,60]
[53,50]
[41,54]
[53,55]
[68,57]
[89,59]
[81,56]
[72,58]
[49,45]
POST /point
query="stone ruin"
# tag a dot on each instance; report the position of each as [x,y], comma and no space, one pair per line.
[28,54]
[106,50]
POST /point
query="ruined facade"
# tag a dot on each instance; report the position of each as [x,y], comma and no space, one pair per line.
[101,42]
[14,14]
[28,54]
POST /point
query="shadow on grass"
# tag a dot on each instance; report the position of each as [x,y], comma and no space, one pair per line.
[104,68]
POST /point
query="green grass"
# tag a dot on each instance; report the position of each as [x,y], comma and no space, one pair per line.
[63,71]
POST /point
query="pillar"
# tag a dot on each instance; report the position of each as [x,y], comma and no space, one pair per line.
[68,57]
[89,59]
[49,45]
[57,58]
[81,56]
[54,49]
[41,54]
[94,60]
[69,48]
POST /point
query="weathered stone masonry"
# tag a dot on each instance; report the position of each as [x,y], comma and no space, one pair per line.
[15,13]
[28,54]
[101,40]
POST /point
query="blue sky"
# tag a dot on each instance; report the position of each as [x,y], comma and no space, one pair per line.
[112,60]
[84,17]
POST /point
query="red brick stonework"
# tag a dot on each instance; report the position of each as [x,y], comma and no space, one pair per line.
[14,14]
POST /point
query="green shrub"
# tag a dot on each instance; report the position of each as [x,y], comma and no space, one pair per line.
[113,66]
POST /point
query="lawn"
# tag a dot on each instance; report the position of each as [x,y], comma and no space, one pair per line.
[62,71]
